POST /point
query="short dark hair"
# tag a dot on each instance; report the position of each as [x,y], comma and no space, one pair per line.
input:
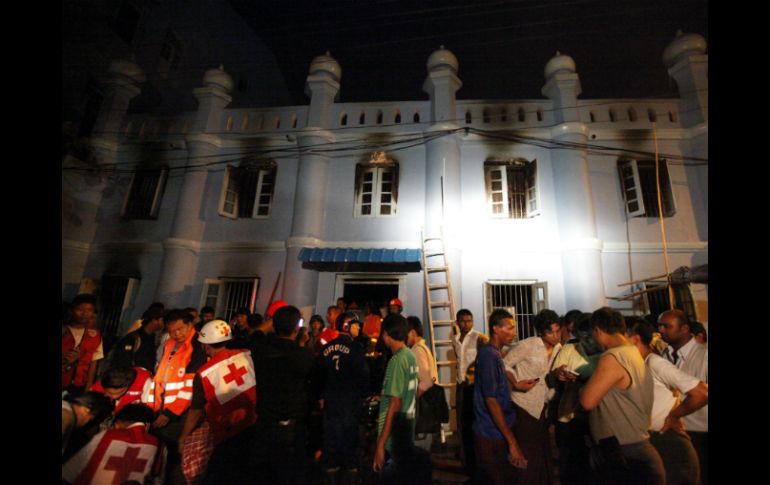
[583,323]
[285,320]
[83,298]
[242,311]
[317,318]
[544,319]
[497,317]
[152,313]
[608,320]
[571,316]
[679,315]
[396,326]
[135,413]
[118,377]
[415,324]
[463,312]
[177,314]
[697,328]
[99,404]
[207,309]
[191,309]
[642,328]
[340,326]
[254,320]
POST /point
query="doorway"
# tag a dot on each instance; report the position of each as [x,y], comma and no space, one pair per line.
[373,289]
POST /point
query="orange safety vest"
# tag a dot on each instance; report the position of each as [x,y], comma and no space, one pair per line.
[171,387]
[230,387]
[78,373]
[372,325]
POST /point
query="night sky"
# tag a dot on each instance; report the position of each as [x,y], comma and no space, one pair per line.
[502,46]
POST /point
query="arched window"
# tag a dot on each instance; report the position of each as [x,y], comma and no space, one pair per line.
[362,119]
[539,114]
[293,120]
[612,115]
[343,119]
[468,118]
[631,114]
[672,116]
[503,115]
[397,119]
[416,118]
[522,114]
[485,115]
[592,116]
[652,115]
[379,117]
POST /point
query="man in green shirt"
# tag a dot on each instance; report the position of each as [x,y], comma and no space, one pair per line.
[395,426]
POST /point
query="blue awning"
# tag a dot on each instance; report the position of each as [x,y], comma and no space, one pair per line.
[350,255]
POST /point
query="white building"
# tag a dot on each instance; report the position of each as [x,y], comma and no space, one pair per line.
[543,202]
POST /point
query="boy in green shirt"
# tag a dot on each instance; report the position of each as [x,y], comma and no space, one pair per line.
[395,425]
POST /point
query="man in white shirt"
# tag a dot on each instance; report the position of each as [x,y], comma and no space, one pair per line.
[692,358]
[465,342]
[426,374]
[667,432]
[527,365]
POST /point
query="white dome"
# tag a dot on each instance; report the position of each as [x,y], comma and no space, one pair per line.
[443,58]
[682,46]
[559,63]
[128,69]
[326,63]
[218,77]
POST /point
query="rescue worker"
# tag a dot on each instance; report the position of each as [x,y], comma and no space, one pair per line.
[224,390]
[171,389]
[344,376]
[127,453]
[81,346]
[125,385]
[79,411]
[395,307]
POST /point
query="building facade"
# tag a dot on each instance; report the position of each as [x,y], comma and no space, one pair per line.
[548,202]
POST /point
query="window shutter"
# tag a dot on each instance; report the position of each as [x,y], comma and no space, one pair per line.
[631,188]
[540,296]
[667,190]
[212,290]
[497,190]
[159,187]
[228,201]
[533,204]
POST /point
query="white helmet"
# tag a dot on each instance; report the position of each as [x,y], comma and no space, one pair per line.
[214,332]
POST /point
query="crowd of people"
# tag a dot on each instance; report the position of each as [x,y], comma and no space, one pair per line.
[353,397]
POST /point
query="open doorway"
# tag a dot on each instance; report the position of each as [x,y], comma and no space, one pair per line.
[359,291]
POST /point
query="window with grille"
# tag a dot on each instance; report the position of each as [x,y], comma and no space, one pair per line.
[226,295]
[376,187]
[658,300]
[145,193]
[248,191]
[640,192]
[523,299]
[512,188]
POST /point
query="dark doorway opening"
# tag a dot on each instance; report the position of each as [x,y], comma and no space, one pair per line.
[375,292]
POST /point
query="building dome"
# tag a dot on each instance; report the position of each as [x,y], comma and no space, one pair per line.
[682,46]
[559,63]
[127,68]
[218,78]
[326,63]
[442,58]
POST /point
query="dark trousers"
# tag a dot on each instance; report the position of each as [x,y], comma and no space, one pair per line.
[532,436]
[169,434]
[679,457]
[464,397]
[574,452]
[635,464]
[408,466]
[280,452]
[492,463]
[700,440]
[340,438]
[228,464]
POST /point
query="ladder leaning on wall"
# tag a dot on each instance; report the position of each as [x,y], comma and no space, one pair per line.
[441,314]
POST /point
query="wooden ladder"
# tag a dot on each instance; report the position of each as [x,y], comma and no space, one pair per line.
[441,313]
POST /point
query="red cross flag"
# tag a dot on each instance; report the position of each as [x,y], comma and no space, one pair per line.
[231,377]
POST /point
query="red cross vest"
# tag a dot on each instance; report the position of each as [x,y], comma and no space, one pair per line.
[116,456]
[78,373]
[171,388]
[229,385]
[138,391]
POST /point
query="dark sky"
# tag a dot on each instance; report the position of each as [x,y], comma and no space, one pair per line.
[502,46]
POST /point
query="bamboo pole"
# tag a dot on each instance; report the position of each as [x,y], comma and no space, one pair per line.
[660,216]
[642,280]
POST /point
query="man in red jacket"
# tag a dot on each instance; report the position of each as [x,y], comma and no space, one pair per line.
[224,390]
[125,453]
[125,385]
[81,346]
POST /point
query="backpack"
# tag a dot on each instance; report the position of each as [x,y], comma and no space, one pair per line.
[432,410]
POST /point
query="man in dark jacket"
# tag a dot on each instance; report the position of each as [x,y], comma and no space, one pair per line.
[138,348]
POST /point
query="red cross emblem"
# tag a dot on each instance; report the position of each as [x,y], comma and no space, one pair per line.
[125,465]
[235,374]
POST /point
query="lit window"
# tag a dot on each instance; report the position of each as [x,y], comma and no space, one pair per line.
[376,187]
[511,188]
